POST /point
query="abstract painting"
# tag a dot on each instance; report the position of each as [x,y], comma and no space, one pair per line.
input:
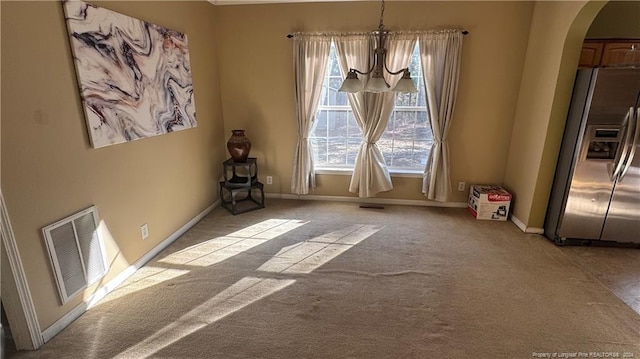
[135,77]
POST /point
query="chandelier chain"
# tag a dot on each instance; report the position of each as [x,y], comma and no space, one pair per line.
[381,26]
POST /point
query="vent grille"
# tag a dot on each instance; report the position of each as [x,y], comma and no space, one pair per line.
[77,253]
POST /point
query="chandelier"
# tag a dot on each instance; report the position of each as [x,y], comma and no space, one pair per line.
[376,82]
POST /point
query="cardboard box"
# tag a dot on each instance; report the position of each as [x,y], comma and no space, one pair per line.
[489,202]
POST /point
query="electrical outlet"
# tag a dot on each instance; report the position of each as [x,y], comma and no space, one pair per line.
[269,180]
[144,230]
[461,186]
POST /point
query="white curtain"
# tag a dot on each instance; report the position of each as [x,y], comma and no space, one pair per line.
[372,110]
[310,57]
[440,54]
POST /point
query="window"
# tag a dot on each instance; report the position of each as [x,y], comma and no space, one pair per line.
[336,137]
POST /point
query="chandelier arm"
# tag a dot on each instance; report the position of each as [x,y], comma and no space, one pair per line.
[362,73]
[394,72]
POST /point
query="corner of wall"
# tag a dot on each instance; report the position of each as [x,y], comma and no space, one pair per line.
[49,169]
[542,102]
[559,109]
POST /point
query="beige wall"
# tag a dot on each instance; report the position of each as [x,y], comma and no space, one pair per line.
[617,19]
[50,171]
[257,80]
[504,131]
[557,32]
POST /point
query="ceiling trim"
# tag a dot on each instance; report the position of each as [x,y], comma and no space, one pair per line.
[258,2]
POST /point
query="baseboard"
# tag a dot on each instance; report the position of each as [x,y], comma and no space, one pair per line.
[389,201]
[76,312]
[523,227]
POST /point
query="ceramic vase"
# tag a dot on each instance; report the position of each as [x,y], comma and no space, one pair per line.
[239,146]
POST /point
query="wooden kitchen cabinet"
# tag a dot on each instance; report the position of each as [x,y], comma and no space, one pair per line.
[610,53]
[591,54]
[621,54]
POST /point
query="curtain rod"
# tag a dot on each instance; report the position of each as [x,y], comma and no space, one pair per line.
[464,32]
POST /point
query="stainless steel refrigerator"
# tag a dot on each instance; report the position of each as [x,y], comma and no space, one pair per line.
[595,197]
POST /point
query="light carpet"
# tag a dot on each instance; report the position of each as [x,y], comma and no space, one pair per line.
[306,279]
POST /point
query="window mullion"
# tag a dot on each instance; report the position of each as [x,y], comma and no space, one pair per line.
[334,108]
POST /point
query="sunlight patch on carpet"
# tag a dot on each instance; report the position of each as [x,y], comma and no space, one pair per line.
[244,292]
[222,248]
[309,255]
[268,229]
[144,278]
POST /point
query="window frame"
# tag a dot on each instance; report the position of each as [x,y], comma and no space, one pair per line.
[347,169]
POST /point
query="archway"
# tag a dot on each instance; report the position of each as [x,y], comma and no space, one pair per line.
[557,32]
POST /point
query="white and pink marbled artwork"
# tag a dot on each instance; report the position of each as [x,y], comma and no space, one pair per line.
[135,77]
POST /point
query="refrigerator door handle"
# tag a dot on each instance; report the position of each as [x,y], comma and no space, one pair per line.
[632,151]
[620,160]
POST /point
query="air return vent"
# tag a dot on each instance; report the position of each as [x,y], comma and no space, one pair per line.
[77,253]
